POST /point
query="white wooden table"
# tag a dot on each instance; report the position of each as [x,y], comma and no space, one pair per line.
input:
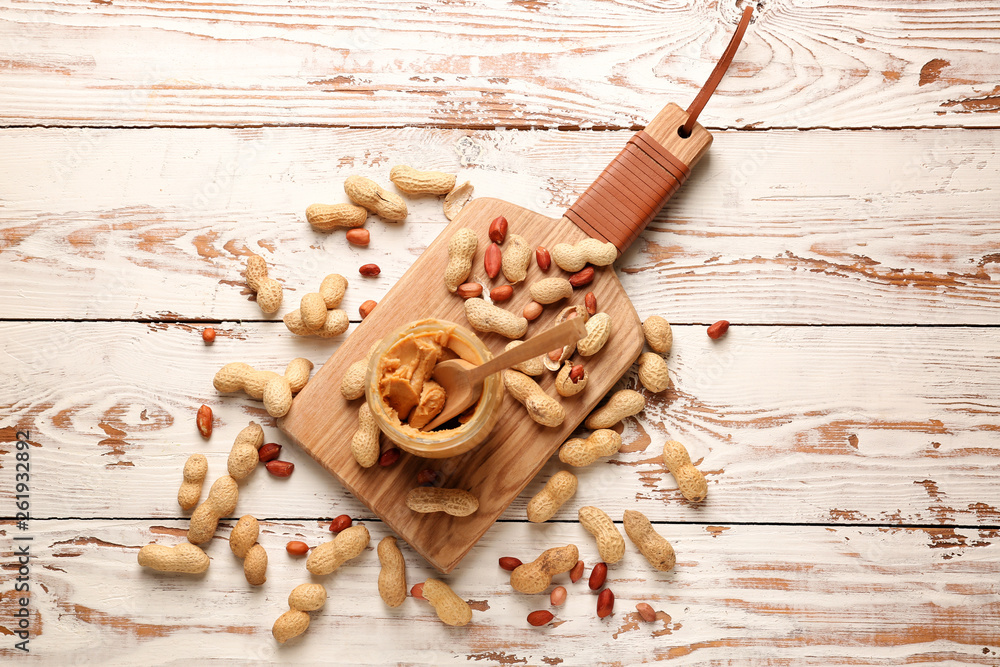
[845,221]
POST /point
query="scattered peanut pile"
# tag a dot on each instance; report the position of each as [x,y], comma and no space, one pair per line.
[319,315]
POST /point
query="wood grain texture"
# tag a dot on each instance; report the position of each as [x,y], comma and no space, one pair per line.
[857,425]
[156,223]
[322,422]
[842,595]
[493,63]
[853,511]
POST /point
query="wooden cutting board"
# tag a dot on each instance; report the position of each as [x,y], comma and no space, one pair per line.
[322,422]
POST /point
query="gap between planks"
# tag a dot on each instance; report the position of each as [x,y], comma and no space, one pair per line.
[373,519]
[355,321]
[483,127]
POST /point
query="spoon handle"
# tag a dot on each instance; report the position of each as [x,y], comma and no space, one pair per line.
[568,332]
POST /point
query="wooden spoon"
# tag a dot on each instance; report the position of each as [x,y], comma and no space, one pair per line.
[463,381]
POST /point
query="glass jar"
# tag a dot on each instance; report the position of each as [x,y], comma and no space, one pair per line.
[440,443]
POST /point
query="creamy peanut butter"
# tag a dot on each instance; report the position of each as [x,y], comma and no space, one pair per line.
[432,399]
[404,398]
[407,366]
[403,378]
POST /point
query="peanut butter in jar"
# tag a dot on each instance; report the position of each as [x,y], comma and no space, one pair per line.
[404,398]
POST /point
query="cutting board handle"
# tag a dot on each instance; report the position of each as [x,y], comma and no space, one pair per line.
[653,165]
[634,187]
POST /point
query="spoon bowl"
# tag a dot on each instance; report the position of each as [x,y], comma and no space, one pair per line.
[463,381]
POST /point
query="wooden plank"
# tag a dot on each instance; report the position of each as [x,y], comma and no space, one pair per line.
[869,425]
[490,63]
[322,422]
[739,594]
[156,223]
